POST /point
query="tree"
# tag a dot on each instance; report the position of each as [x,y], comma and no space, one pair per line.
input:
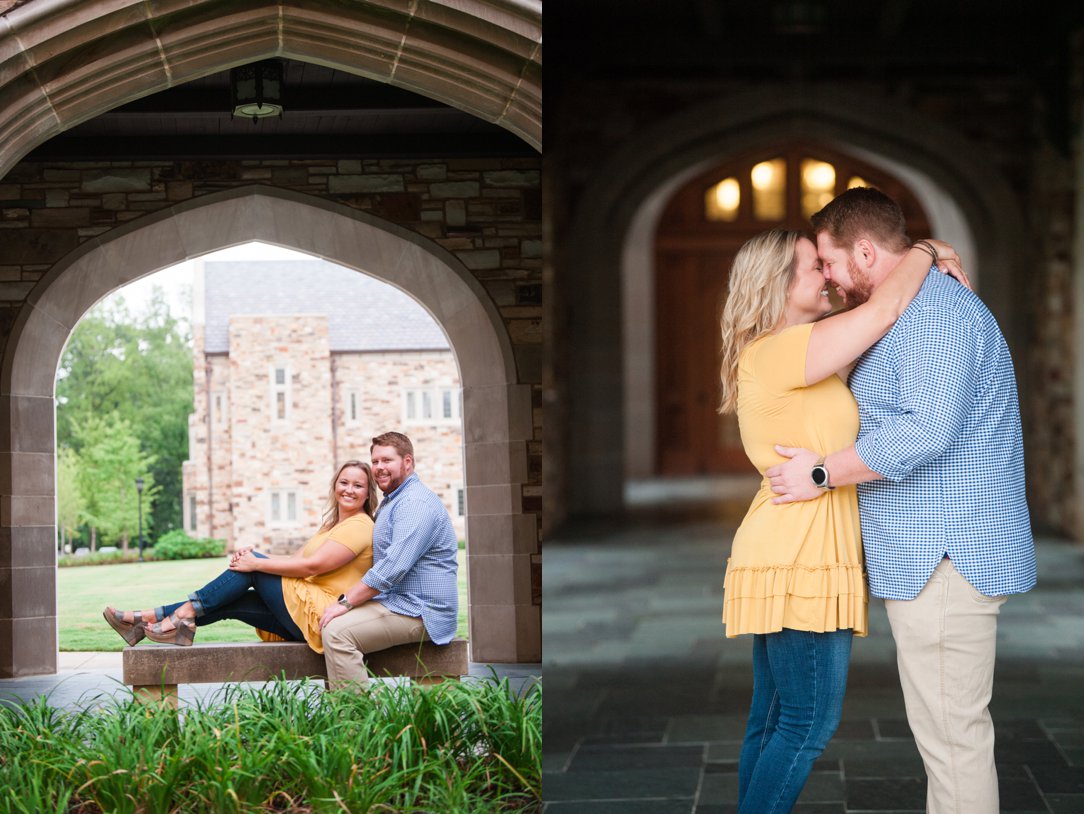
[109,462]
[70,507]
[139,367]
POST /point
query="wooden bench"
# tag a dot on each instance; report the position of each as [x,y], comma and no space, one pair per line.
[154,670]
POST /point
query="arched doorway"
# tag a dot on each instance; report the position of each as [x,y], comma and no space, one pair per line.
[605,437]
[700,230]
[496,408]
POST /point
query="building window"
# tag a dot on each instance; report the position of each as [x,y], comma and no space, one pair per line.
[353,407]
[432,405]
[763,189]
[460,502]
[280,393]
[218,408]
[722,200]
[191,512]
[283,509]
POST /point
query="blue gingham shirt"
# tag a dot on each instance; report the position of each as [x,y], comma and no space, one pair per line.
[940,421]
[414,558]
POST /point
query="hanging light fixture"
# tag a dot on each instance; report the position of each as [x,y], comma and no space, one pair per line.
[256,90]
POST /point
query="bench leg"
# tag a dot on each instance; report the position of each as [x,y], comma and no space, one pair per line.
[157,694]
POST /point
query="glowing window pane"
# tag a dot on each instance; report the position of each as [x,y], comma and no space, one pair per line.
[769,180]
[721,201]
[818,185]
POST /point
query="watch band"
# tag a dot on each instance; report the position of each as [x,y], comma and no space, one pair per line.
[343,601]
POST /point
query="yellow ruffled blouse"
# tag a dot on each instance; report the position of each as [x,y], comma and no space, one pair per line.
[307,598]
[797,565]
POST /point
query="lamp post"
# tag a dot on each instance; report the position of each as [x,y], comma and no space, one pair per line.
[139,491]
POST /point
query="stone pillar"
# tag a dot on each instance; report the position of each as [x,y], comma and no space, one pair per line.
[502,540]
[28,631]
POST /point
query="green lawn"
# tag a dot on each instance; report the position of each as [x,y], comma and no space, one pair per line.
[82,593]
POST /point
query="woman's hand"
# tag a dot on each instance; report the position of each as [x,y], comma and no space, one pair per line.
[948,262]
[244,561]
[240,553]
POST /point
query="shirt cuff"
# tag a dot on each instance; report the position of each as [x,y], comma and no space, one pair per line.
[878,459]
[376,582]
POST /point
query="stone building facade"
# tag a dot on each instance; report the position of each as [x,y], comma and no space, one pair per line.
[297,365]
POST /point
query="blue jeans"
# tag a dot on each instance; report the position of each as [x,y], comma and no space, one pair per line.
[250,597]
[799,679]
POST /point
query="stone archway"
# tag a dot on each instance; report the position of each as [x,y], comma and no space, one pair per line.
[612,229]
[497,419]
[65,61]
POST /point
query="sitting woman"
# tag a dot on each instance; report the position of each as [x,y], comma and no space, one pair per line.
[280,595]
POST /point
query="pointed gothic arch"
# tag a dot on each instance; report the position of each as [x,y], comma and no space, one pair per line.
[609,246]
[497,410]
[65,61]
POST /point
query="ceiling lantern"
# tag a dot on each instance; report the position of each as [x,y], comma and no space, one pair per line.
[256,90]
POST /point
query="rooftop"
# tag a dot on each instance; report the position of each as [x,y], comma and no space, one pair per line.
[363,313]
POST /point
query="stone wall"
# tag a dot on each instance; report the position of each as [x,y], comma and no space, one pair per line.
[379,380]
[486,212]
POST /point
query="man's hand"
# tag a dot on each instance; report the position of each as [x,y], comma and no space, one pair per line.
[790,479]
[334,610]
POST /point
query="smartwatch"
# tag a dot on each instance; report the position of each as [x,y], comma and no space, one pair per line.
[344,602]
[819,475]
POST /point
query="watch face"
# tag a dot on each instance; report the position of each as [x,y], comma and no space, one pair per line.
[819,475]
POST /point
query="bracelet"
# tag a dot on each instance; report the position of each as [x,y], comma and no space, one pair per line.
[927,247]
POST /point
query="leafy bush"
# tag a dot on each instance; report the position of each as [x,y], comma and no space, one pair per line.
[176,545]
[457,748]
[102,558]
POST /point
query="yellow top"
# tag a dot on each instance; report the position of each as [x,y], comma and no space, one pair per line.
[795,565]
[307,597]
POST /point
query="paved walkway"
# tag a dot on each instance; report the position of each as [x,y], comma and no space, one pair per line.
[646,699]
[88,679]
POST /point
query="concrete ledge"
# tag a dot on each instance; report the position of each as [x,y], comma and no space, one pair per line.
[151,665]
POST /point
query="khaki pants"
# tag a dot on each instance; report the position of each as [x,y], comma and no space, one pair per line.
[364,629]
[945,645]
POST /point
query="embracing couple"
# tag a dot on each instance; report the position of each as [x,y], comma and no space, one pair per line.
[369,579]
[889,438]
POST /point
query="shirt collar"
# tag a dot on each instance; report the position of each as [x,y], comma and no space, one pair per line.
[402,486]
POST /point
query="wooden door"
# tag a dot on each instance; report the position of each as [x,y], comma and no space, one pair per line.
[694,250]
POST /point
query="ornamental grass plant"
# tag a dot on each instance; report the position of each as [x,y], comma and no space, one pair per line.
[456,748]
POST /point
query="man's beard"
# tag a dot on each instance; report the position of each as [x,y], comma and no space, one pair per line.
[861,287]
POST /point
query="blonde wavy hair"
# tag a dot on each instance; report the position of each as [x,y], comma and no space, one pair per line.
[331,508]
[756,297]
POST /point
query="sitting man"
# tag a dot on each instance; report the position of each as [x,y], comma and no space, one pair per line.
[410,593]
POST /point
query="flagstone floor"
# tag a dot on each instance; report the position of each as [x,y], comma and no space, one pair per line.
[646,699]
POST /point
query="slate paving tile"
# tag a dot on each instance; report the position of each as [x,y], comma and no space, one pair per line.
[698,691]
[874,767]
[1059,779]
[1033,753]
[603,785]
[1019,794]
[893,728]
[1065,803]
[605,758]
[890,794]
[718,789]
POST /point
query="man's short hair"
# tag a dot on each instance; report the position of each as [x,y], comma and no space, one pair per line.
[863,212]
[397,440]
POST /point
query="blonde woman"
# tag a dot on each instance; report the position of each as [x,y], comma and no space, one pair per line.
[795,577]
[280,595]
